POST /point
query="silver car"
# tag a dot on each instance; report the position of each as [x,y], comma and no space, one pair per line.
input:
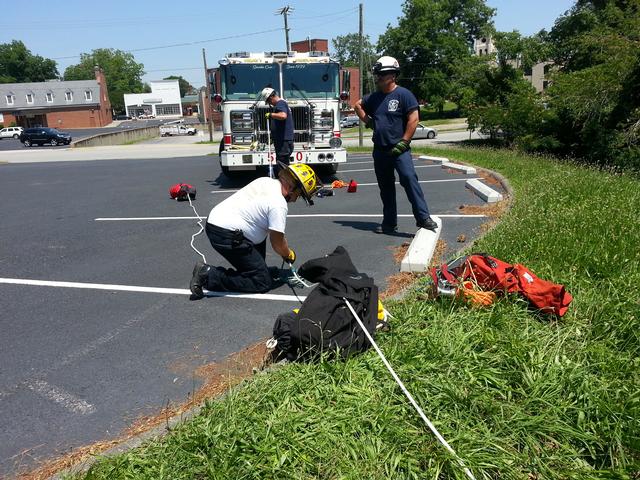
[425,132]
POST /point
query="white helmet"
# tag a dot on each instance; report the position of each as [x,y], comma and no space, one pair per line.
[266,93]
[386,65]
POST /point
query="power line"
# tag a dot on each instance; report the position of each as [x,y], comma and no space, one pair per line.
[328,14]
[186,44]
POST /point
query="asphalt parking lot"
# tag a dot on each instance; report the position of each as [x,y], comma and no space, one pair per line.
[79,361]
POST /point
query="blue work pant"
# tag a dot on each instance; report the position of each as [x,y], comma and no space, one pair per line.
[385,164]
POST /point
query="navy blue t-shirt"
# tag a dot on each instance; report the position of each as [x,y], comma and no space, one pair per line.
[282,130]
[389,112]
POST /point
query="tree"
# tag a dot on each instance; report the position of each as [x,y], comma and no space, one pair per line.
[523,52]
[431,37]
[18,65]
[122,72]
[347,50]
[595,92]
[185,87]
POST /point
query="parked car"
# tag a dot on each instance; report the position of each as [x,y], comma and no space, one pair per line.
[145,116]
[42,135]
[10,132]
[350,121]
[425,132]
[121,117]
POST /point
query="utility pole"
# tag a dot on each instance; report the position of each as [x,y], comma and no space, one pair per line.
[284,11]
[361,41]
[207,105]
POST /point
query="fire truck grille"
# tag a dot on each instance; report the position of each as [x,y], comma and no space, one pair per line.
[301,122]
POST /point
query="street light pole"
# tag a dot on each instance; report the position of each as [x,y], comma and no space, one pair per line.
[207,105]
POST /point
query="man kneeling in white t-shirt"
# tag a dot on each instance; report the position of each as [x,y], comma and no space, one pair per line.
[238,227]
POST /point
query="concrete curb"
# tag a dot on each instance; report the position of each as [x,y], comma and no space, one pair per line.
[434,159]
[420,252]
[460,168]
[485,192]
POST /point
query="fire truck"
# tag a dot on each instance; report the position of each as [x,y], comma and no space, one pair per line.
[309,82]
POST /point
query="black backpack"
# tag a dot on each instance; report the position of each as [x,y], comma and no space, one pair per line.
[324,323]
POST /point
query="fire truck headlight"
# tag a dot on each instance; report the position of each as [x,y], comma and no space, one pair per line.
[335,142]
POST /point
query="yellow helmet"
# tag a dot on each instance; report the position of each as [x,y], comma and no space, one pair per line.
[305,178]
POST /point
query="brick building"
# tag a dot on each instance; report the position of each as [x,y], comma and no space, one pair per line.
[56,104]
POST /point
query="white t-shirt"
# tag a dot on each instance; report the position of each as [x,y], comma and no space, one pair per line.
[255,209]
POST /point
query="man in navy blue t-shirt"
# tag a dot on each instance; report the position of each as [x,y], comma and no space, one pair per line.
[392,112]
[281,125]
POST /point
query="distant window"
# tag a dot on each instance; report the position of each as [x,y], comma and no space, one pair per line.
[49,97]
[172,109]
[9,99]
[29,97]
[68,96]
[546,69]
[545,84]
[528,71]
[87,95]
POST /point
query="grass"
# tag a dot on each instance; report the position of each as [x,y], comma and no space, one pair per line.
[518,396]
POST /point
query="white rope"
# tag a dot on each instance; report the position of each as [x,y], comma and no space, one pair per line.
[408,395]
[199,231]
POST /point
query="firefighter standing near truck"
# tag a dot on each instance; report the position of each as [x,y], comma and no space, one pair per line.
[281,125]
[238,228]
[392,112]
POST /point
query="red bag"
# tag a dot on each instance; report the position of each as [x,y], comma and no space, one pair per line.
[547,297]
[491,274]
[179,191]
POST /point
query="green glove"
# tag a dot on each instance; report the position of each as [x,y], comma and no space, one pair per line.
[267,115]
[291,257]
[400,147]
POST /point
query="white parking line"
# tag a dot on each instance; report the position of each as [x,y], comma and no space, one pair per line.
[370,184]
[309,215]
[371,169]
[133,288]
[425,181]
[61,397]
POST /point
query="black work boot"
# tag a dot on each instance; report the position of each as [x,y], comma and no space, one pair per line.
[199,279]
[427,223]
[382,228]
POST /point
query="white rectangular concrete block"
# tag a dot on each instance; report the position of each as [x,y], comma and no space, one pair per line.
[460,168]
[488,194]
[420,252]
[433,159]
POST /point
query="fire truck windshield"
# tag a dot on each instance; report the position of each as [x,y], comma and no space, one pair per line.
[311,80]
[246,81]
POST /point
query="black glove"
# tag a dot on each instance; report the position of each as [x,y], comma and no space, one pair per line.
[370,123]
[400,147]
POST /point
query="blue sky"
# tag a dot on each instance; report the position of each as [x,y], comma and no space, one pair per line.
[73,26]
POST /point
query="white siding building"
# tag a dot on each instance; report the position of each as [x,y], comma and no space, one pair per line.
[163,101]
